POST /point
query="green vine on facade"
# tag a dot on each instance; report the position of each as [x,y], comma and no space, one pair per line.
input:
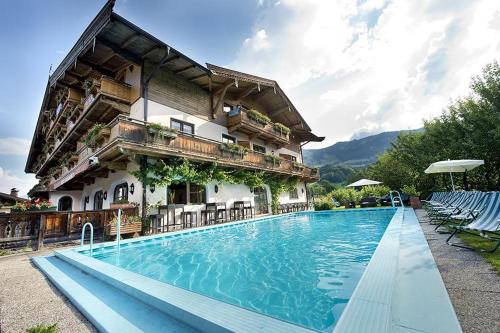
[175,170]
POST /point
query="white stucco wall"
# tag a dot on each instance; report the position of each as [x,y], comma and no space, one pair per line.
[285,197]
[76,197]
[108,185]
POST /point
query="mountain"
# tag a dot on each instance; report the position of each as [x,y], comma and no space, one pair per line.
[354,153]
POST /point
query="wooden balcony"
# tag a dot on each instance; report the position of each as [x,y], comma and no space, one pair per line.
[242,123]
[109,99]
[133,136]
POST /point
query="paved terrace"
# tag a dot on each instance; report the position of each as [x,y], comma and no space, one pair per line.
[472,283]
[27,298]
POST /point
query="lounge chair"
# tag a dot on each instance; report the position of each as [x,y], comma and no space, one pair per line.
[467,212]
[488,223]
[368,202]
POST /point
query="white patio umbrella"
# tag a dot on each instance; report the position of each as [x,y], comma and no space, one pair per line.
[364,182]
[450,166]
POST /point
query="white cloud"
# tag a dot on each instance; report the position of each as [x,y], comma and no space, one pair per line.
[14,146]
[375,65]
[9,179]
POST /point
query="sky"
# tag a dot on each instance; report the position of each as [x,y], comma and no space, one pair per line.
[352,68]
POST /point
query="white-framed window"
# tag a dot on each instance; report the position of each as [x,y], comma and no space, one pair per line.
[228,139]
[293,194]
[259,148]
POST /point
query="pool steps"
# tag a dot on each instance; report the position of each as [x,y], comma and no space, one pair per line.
[107,308]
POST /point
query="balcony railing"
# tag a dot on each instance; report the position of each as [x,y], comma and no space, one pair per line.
[38,226]
[109,99]
[134,136]
[267,132]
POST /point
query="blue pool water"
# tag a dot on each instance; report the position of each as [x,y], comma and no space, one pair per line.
[301,268]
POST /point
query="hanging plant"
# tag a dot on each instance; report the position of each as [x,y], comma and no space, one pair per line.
[258,117]
[90,139]
[298,166]
[279,127]
[233,149]
[87,86]
[161,132]
[60,95]
[273,159]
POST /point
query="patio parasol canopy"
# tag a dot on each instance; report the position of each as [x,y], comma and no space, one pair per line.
[450,166]
[453,166]
[364,182]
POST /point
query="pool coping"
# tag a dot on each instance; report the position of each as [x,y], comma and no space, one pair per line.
[372,299]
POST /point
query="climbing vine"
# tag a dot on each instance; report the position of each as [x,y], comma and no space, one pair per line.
[179,170]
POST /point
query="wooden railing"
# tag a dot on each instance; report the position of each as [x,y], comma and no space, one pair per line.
[241,121]
[20,227]
[108,98]
[198,148]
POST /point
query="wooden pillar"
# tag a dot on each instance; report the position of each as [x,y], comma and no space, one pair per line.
[41,231]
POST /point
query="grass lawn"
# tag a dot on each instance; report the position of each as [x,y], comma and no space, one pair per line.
[479,243]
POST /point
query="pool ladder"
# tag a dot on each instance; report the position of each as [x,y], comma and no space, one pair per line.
[118,225]
[398,196]
[91,235]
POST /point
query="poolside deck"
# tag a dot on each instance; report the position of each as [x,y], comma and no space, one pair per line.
[472,283]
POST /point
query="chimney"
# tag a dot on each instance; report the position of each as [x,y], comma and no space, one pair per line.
[14,192]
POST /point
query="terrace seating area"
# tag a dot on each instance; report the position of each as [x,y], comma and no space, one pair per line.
[472,212]
[174,217]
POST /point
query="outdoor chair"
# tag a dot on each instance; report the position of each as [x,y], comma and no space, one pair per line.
[487,224]
[368,202]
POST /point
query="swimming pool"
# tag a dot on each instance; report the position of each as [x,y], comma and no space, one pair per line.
[300,268]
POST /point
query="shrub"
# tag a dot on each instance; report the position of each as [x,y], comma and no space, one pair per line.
[410,190]
[92,133]
[374,191]
[42,328]
[324,204]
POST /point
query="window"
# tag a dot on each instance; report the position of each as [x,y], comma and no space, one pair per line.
[121,193]
[182,126]
[228,139]
[196,194]
[65,204]
[293,194]
[98,200]
[259,149]
[186,193]
[177,193]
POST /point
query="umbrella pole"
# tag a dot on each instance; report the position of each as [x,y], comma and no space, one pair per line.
[452,184]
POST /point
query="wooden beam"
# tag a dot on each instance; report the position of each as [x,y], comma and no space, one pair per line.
[97,67]
[169,60]
[149,52]
[221,92]
[119,51]
[185,69]
[117,166]
[194,78]
[245,93]
[106,58]
[263,93]
[129,40]
[276,112]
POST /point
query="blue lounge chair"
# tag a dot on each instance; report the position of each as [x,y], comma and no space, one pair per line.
[488,223]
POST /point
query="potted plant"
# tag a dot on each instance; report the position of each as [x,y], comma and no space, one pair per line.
[160,132]
[233,149]
[272,159]
[296,166]
[96,134]
[281,129]
[258,117]
[122,204]
[414,196]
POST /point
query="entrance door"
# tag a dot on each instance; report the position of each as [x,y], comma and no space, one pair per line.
[260,198]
